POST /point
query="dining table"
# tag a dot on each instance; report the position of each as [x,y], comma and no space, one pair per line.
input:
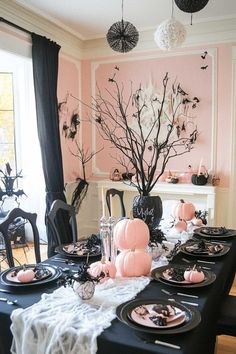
[122,338]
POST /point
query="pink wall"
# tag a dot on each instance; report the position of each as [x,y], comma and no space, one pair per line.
[196,82]
[185,68]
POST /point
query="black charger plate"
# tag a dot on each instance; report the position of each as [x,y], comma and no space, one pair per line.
[53,270]
[214,232]
[60,249]
[193,316]
[157,274]
[183,249]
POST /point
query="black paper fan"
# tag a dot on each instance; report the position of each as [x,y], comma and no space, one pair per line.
[122,36]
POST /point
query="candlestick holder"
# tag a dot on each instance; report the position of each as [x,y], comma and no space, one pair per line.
[105,238]
[113,249]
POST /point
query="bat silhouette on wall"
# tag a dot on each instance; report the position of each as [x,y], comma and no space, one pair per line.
[203,56]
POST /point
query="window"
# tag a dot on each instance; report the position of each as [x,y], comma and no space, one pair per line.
[19,144]
[7,125]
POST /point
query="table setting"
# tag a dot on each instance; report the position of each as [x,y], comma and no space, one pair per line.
[154,305]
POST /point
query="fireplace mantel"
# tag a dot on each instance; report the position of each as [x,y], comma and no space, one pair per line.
[203,197]
[88,218]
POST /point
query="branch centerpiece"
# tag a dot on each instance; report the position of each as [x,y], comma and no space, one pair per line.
[147,128]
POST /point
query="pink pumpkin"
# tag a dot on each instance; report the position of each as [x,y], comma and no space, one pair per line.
[184,210]
[25,275]
[102,267]
[194,275]
[133,263]
[197,222]
[181,225]
[131,234]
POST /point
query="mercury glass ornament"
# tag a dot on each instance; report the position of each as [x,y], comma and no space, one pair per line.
[85,290]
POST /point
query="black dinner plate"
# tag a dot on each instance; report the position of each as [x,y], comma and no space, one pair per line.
[214,232]
[96,251]
[53,271]
[192,316]
[157,274]
[204,254]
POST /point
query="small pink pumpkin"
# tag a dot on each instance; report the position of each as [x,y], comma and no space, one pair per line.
[25,275]
[181,225]
[133,263]
[102,267]
[131,234]
[197,222]
[194,275]
[184,210]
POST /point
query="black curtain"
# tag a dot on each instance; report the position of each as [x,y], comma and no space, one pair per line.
[45,71]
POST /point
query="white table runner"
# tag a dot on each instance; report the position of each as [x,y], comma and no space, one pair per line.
[61,323]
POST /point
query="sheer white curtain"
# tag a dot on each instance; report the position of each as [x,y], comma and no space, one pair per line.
[27,144]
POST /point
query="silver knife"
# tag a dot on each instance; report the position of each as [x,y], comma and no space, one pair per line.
[166,344]
[188,295]
[189,303]
[5,291]
[208,262]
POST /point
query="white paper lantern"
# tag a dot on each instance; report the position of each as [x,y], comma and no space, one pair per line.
[170,34]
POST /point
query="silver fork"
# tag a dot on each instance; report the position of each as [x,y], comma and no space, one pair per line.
[186,302]
[188,261]
[67,261]
[9,302]
[179,294]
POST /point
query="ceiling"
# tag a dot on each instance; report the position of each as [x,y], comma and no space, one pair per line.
[90,19]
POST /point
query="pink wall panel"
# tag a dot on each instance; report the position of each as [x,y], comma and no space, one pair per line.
[186,70]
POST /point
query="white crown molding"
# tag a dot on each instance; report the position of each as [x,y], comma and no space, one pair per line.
[19,15]
[199,34]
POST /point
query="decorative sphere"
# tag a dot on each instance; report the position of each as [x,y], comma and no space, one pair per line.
[191,6]
[170,34]
[122,36]
[84,290]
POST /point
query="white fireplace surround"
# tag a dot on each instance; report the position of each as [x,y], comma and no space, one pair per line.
[203,197]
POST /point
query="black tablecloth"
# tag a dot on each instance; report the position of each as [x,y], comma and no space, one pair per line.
[119,338]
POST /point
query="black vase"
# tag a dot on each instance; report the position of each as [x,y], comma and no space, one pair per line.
[149,209]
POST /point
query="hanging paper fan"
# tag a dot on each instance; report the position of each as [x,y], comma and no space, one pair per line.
[122,36]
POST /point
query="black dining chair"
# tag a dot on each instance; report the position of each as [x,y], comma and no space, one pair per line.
[227,320]
[6,227]
[112,192]
[57,208]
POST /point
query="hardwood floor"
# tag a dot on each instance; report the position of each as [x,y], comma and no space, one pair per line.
[226,344]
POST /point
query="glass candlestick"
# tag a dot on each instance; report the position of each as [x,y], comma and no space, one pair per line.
[113,249]
[105,238]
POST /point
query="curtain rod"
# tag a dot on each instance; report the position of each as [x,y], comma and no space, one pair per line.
[14,25]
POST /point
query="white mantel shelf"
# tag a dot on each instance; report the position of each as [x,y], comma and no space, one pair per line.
[161,187]
[201,195]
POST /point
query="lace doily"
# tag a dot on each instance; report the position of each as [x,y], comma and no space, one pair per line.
[61,323]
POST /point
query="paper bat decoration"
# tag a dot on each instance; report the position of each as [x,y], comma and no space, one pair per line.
[204,67]
[203,56]
[17,193]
